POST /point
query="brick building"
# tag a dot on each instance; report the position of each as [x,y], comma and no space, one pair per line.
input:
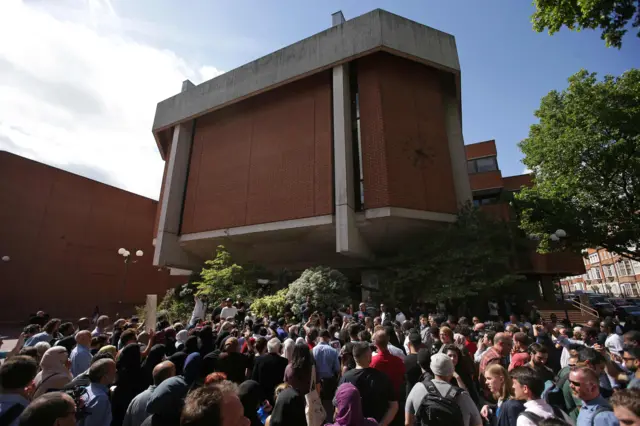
[59,237]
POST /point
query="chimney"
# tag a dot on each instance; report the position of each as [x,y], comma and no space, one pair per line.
[337,18]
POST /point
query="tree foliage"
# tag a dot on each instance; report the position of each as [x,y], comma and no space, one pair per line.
[328,289]
[471,255]
[611,16]
[272,305]
[585,153]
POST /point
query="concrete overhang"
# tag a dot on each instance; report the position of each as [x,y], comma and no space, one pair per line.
[375,31]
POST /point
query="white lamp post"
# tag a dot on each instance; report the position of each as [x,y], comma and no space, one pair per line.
[555,237]
[6,258]
[127,258]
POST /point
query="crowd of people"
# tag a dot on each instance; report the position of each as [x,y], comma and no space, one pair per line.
[344,368]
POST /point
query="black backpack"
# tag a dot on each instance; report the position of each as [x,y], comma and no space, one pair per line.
[438,410]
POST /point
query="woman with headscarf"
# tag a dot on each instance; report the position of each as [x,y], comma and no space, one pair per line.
[192,369]
[155,357]
[250,394]
[129,382]
[349,407]
[181,339]
[288,410]
[178,360]
[55,373]
[112,350]
[209,363]
[287,349]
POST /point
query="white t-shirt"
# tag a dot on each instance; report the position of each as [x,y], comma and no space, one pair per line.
[540,408]
[400,317]
[228,312]
[393,351]
[615,343]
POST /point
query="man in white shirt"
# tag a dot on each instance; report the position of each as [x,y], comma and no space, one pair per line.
[384,314]
[528,386]
[614,342]
[400,317]
[198,311]
[229,311]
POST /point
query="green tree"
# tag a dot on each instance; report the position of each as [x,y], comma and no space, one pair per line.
[585,153]
[272,305]
[221,278]
[611,16]
[471,255]
[328,289]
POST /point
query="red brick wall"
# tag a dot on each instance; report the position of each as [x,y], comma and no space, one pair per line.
[405,151]
[486,180]
[62,232]
[515,183]
[265,159]
[480,149]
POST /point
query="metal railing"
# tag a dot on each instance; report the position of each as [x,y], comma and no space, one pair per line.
[584,309]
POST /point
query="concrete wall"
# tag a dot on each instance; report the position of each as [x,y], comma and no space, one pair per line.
[406,160]
[62,232]
[265,159]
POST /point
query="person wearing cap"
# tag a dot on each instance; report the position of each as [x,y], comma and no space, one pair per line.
[442,368]
[229,311]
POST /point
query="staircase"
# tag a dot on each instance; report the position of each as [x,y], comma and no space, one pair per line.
[578,313]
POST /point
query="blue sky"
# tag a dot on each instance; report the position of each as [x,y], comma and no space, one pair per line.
[506,66]
[83,97]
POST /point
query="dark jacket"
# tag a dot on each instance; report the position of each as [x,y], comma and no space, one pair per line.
[509,411]
[268,371]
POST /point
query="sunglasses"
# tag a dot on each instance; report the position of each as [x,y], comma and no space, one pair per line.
[576,384]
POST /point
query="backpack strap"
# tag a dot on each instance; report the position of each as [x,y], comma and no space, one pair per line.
[531,416]
[600,409]
[431,388]
[11,414]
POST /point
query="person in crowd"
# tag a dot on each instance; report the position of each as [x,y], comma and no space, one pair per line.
[614,342]
[411,367]
[505,411]
[626,406]
[128,337]
[281,330]
[400,316]
[66,329]
[268,370]
[81,354]
[348,408]
[83,323]
[446,336]
[346,358]
[501,348]
[594,410]
[156,356]
[442,368]
[54,374]
[298,372]
[587,357]
[528,386]
[394,346]
[4,355]
[69,343]
[16,387]
[485,342]
[468,342]
[181,339]
[379,400]
[101,326]
[178,359]
[387,363]
[539,358]
[462,375]
[137,412]
[327,366]
[47,335]
[520,355]
[51,409]
[231,362]
[41,348]
[30,351]
[102,374]
[191,345]
[215,405]
[82,380]
[251,395]
[631,358]
[287,349]
[632,338]
[129,381]
[229,311]
[288,410]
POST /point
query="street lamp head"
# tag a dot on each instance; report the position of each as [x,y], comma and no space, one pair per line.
[561,233]
[122,251]
[6,258]
[127,253]
[554,237]
[139,253]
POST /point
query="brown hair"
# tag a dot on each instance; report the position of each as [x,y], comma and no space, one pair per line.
[627,398]
[203,406]
[447,331]
[507,386]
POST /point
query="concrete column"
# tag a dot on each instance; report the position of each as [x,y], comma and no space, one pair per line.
[348,239]
[548,295]
[453,124]
[167,249]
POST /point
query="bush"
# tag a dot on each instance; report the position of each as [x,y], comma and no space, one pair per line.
[327,288]
[271,306]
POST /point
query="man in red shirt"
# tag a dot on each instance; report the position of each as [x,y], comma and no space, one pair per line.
[520,356]
[383,361]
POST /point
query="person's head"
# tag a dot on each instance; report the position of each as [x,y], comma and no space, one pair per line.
[127,337]
[381,340]
[452,352]
[632,338]
[498,381]
[446,335]
[83,338]
[281,387]
[103,372]
[273,346]
[631,358]
[348,405]
[324,335]
[231,345]
[228,302]
[415,342]
[589,357]
[66,329]
[608,327]
[52,325]
[502,343]
[214,405]
[584,383]
[383,308]
[41,348]
[84,323]
[442,367]
[527,383]
[17,374]
[362,307]
[50,409]
[362,354]
[520,341]
[312,335]
[103,321]
[301,360]
[163,371]
[626,406]
[261,345]
[539,354]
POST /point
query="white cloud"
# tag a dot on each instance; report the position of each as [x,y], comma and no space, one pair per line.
[527,171]
[80,94]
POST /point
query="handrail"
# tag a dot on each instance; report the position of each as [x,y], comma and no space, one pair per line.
[584,308]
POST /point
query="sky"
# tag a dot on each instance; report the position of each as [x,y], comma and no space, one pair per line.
[80,79]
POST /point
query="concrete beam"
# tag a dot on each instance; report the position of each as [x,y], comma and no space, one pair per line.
[453,125]
[409,214]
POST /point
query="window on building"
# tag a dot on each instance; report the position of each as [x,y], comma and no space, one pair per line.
[636,267]
[625,268]
[484,164]
[593,258]
[608,271]
[597,274]
[485,200]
